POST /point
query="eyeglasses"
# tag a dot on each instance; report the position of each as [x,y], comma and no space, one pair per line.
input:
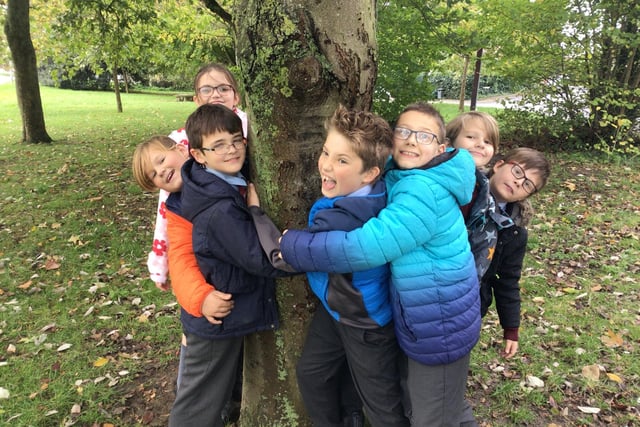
[518,173]
[422,137]
[207,90]
[225,148]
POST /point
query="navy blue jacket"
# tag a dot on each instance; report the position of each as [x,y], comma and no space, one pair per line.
[229,254]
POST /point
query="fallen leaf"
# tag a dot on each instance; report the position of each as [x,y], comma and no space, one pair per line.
[25,285]
[570,185]
[589,410]
[591,372]
[64,347]
[614,377]
[533,381]
[51,264]
[4,393]
[612,339]
[76,409]
[101,361]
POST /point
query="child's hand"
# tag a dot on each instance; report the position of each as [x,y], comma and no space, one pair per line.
[217,305]
[162,286]
[252,195]
[510,349]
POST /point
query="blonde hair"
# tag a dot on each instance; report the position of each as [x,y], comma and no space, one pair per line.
[454,127]
[141,161]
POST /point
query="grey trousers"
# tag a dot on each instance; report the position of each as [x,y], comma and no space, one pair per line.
[372,357]
[208,376]
[436,393]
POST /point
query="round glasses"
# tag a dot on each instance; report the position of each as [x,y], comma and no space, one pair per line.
[424,138]
[518,173]
[225,148]
[222,90]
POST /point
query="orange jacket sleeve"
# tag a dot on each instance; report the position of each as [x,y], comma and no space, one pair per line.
[188,283]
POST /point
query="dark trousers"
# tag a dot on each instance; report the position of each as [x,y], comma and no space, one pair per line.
[436,393]
[372,357]
[207,380]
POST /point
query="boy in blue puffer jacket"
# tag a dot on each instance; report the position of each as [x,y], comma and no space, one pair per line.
[353,327]
[434,286]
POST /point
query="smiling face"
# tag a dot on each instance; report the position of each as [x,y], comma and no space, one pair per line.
[228,156]
[341,169]
[408,153]
[506,188]
[215,78]
[163,167]
[474,137]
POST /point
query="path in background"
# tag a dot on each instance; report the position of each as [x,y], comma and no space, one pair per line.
[489,102]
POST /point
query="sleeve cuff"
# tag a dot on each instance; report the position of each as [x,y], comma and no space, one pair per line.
[511,334]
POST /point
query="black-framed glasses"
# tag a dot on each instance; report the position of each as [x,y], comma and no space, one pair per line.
[221,89]
[518,173]
[422,137]
[225,148]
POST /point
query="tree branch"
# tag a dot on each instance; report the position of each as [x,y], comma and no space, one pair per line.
[215,7]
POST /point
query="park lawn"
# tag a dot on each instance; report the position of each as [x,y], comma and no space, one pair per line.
[86,338]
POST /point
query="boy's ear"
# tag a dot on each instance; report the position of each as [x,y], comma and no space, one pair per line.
[198,156]
[497,165]
[371,175]
[442,148]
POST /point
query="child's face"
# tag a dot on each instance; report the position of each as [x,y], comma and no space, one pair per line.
[409,153]
[222,151]
[341,168]
[511,182]
[474,137]
[164,167]
[215,79]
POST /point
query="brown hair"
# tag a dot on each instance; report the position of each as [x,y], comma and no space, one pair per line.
[141,161]
[370,135]
[455,126]
[429,110]
[209,119]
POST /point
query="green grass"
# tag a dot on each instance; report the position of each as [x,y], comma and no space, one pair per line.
[75,231]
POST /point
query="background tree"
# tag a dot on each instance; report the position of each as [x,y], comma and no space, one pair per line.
[106,26]
[17,31]
[298,61]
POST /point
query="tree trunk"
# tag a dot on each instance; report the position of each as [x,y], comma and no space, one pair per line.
[298,60]
[463,84]
[17,30]
[116,87]
[476,81]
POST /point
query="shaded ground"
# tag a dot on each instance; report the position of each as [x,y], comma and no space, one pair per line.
[147,400]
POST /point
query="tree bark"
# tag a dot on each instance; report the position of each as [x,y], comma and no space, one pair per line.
[463,84]
[298,61]
[17,30]
[476,81]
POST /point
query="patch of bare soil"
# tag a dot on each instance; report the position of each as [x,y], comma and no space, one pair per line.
[148,398]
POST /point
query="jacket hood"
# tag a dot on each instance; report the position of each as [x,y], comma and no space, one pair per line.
[454,170]
[202,189]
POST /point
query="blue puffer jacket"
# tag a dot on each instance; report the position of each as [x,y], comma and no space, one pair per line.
[434,292]
[360,299]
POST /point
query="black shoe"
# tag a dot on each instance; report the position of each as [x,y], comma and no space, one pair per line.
[230,412]
[354,419]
